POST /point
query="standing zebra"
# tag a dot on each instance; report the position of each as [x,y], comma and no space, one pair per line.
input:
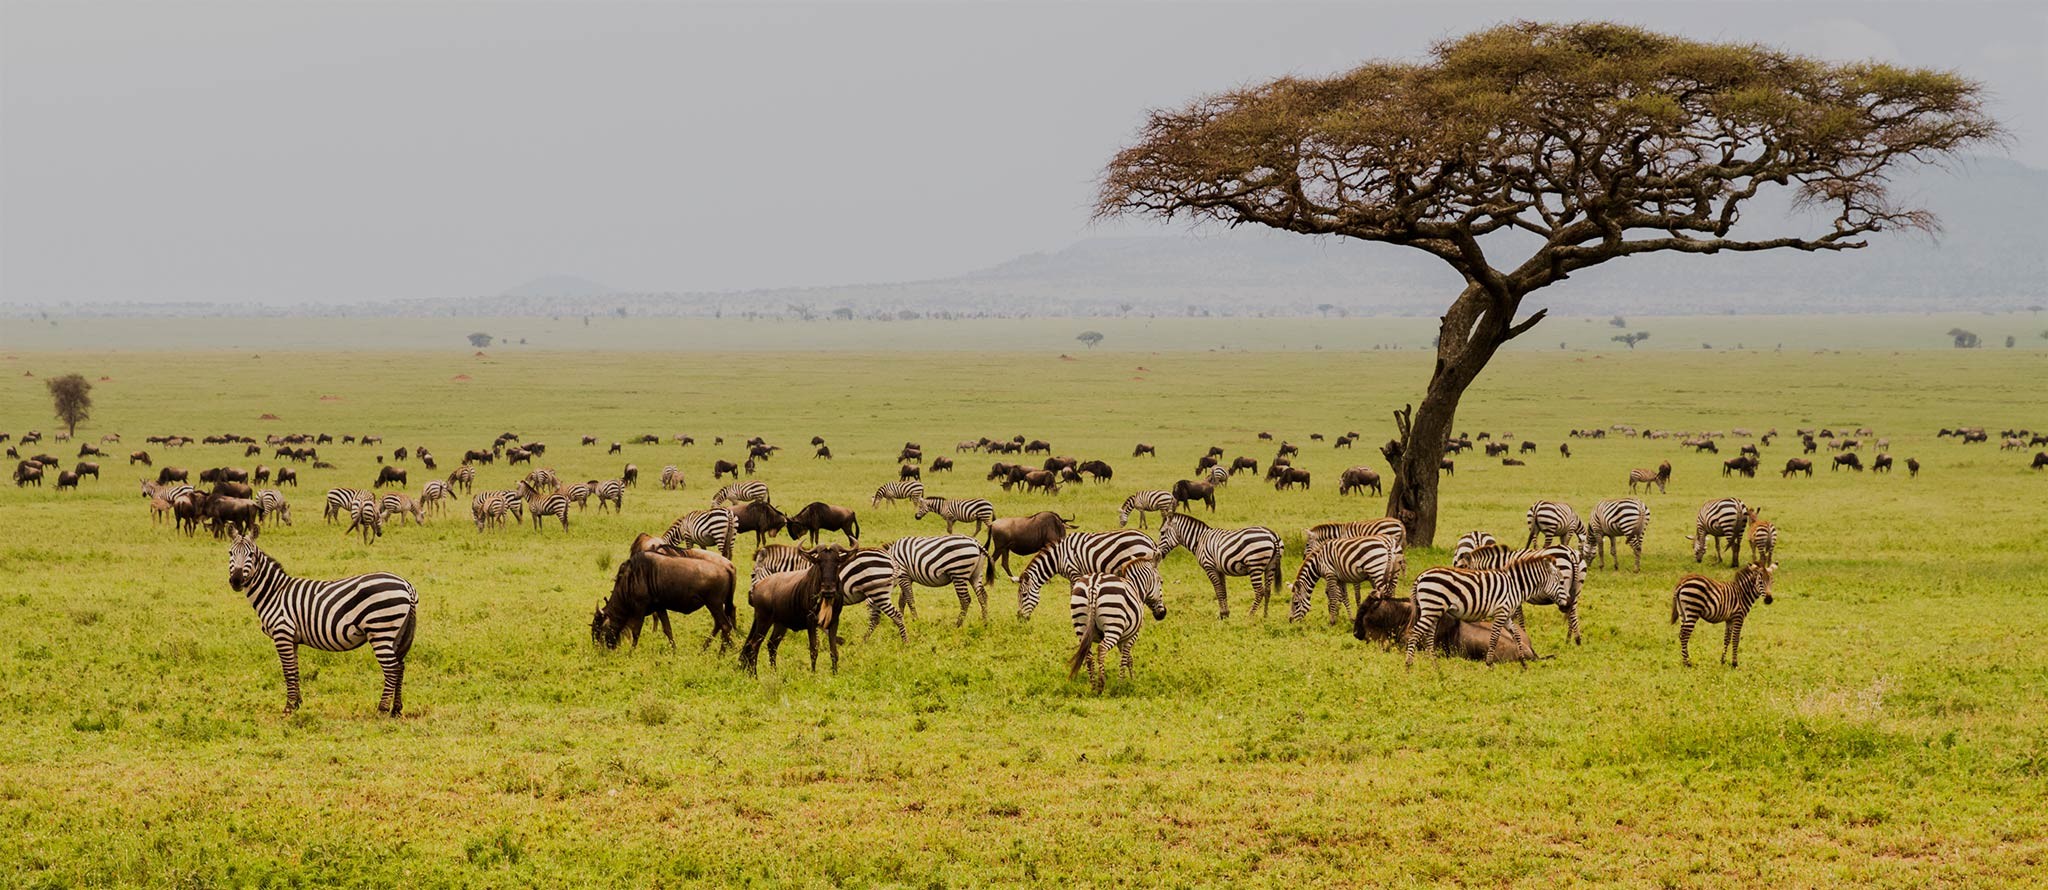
[1469,543]
[489,508]
[1699,597]
[1106,616]
[1625,518]
[742,492]
[343,501]
[1086,553]
[906,490]
[1253,552]
[273,503]
[1476,594]
[1143,502]
[579,494]
[672,477]
[1660,477]
[403,506]
[366,515]
[378,608]
[433,496]
[1571,569]
[938,561]
[556,505]
[1554,519]
[1763,538]
[612,492]
[1369,559]
[1720,519]
[1218,476]
[866,574]
[1385,527]
[463,477]
[714,527]
[976,510]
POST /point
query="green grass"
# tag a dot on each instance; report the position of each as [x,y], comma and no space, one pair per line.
[1886,727]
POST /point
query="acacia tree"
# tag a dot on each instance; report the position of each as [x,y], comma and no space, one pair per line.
[1521,154]
[1090,337]
[71,397]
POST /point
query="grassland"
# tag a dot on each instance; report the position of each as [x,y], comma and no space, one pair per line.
[1886,728]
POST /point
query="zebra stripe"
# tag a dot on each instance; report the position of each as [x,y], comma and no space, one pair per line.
[1625,518]
[343,501]
[580,493]
[1571,580]
[1372,559]
[1700,598]
[272,503]
[434,495]
[709,528]
[463,477]
[1105,613]
[672,478]
[1553,519]
[1763,540]
[939,561]
[1245,552]
[906,490]
[1721,519]
[1476,594]
[1219,476]
[366,515]
[976,510]
[378,608]
[1085,553]
[489,508]
[742,492]
[401,504]
[1143,502]
[612,491]
[866,574]
[556,505]
[1461,556]
[1385,527]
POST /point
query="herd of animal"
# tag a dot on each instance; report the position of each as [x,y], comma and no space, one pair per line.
[1472,608]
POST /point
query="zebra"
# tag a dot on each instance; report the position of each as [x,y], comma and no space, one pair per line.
[1763,538]
[1086,553]
[1143,502]
[1700,598]
[938,561]
[1470,542]
[579,494]
[556,505]
[1719,519]
[367,515]
[905,490]
[1475,594]
[489,508]
[713,528]
[1219,476]
[1106,616]
[1253,551]
[401,504]
[672,478]
[866,574]
[742,492]
[1371,559]
[379,608]
[1571,566]
[463,477]
[1553,519]
[432,497]
[1625,518]
[343,501]
[539,482]
[976,510]
[272,503]
[1659,477]
[612,491]
[1385,527]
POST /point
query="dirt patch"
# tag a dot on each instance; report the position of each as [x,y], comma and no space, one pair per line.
[269,417]
[330,398]
[460,377]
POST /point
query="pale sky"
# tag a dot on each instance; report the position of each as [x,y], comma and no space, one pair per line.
[283,152]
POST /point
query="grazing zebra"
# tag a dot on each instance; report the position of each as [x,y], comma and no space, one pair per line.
[938,561]
[976,510]
[865,574]
[1105,611]
[1385,527]
[489,508]
[1659,477]
[433,496]
[1086,553]
[1553,519]
[1625,518]
[1700,598]
[401,504]
[1763,539]
[672,478]
[1253,552]
[1477,594]
[556,505]
[366,515]
[539,482]
[1721,519]
[1218,476]
[1571,567]
[612,491]
[906,490]
[1148,501]
[714,527]
[742,492]
[272,503]
[463,477]
[343,501]
[1371,559]
[580,493]
[379,608]
[1470,542]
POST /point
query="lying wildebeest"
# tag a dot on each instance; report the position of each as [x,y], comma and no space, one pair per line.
[1511,462]
[1358,479]
[1797,465]
[391,476]
[908,472]
[818,516]
[1849,460]
[1096,470]
[662,579]
[942,465]
[758,517]
[87,468]
[1387,620]
[141,457]
[723,467]
[87,450]
[1290,477]
[806,600]
[1144,450]
[1187,491]
[1024,536]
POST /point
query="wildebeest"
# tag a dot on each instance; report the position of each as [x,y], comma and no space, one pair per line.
[1741,463]
[1881,464]
[630,475]
[818,516]
[1564,448]
[480,457]
[1290,477]
[805,600]
[234,489]
[1913,467]
[66,479]
[824,452]
[590,440]
[909,454]
[1041,480]
[391,476]
[1358,479]
[1511,462]
[1207,461]
[1144,450]
[758,517]
[1038,446]
[223,513]
[1244,463]
[288,475]
[1387,620]
[1187,491]
[724,467]
[1057,464]
[1289,450]
[616,448]
[141,457]
[1848,459]
[762,452]
[907,471]
[1797,465]
[1096,470]
[2040,460]
[1447,465]
[661,579]
[1024,536]
[1528,447]
[86,468]
[942,465]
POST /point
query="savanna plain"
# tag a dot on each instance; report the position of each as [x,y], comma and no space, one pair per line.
[1886,727]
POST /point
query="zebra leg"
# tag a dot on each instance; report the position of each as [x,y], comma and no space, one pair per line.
[1127,666]
[1333,591]
[1222,595]
[966,593]
[1571,617]
[1685,626]
[1727,637]
[895,616]
[1095,659]
[288,658]
[393,664]
[1735,641]
[1424,628]
[874,617]
[980,592]
[1500,620]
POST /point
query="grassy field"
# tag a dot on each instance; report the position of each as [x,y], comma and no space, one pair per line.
[1886,728]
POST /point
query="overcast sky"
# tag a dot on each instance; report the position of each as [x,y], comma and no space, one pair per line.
[281,152]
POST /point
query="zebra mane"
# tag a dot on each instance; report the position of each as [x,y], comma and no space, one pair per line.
[1183,517]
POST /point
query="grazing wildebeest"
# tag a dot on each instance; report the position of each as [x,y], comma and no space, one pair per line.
[762,452]
[1741,463]
[480,457]
[822,452]
[223,513]
[817,440]
[1913,467]
[630,475]
[1564,448]
[1496,449]
[1207,461]
[724,467]
[87,450]
[617,448]
[1187,491]
[86,468]
[1244,463]
[758,517]
[1057,464]
[1290,477]
[908,472]
[1528,447]
[288,475]
[661,579]
[1041,480]
[391,476]
[1144,450]
[1848,459]
[2040,460]
[909,454]
[818,516]
[1387,620]
[590,440]
[1096,470]
[141,457]
[1881,464]
[806,600]
[1024,536]
[1797,465]
[942,465]
[65,479]
[1358,479]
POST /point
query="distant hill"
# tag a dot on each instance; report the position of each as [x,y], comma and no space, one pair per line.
[559,287]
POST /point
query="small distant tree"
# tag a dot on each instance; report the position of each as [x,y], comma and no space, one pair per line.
[1124,308]
[843,313]
[1090,337]
[2011,341]
[1618,322]
[1630,338]
[2034,309]
[480,340]
[72,396]
[1964,339]
[1324,308]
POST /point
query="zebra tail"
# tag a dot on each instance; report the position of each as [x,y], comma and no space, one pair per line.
[1089,638]
[405,634]
[1674,601]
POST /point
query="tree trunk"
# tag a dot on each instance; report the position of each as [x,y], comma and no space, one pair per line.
[1471,333]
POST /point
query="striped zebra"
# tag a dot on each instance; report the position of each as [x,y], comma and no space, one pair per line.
[366,515]
[1700,598]
[1571,581]
[272,503]
[1254,552]
[1659,477]
[1763,539]
[1719,519]
[741,492]
[939,561]
[342,502]
[538,483]
[1553,519]
[672,478]
[464,477]
[401,504]
[579,494]
[1461,556]
[1371,559]
[489,508]
[1385,527]
[976,510]
[714,528]
[905,490]
[1625,518]
[555,504]
[1477,594]
[612,491]
[1106,615]
[1143,502]
[1086,553]
[434,496]
[1218,476]
[866,574]
[379,608]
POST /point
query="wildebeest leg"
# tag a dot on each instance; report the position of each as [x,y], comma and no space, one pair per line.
[750,652]
[634,629]
[832,637]
[812,633]
[661,617]
[774,644]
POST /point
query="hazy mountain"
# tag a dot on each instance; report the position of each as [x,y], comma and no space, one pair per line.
[560,287]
